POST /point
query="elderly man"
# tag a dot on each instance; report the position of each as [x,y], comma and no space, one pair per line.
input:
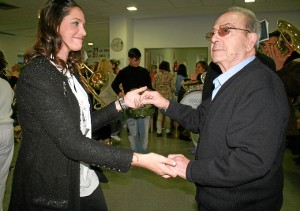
[238,163]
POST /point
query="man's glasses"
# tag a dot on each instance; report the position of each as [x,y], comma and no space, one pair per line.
[223,31]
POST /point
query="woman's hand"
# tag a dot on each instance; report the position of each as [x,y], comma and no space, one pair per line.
[156,163]
[132,98]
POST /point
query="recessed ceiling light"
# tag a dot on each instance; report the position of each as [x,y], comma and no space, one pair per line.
[131,8]
[248,1]
[90,43]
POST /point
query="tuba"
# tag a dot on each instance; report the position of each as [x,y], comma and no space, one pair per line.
[289,38]
[202,77]
[92,84]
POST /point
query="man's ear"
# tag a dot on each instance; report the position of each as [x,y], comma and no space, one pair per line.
[252,38]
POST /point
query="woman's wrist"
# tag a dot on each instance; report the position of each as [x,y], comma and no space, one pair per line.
[121,105]
[135,159]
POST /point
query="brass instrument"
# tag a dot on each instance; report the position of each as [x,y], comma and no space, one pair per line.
[290,35]
[202,77]
[93,83]
[191,85]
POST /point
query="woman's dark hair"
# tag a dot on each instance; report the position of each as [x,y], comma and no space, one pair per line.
[164,65]
[203,64]
[3,62]
[48,41]
[182,70]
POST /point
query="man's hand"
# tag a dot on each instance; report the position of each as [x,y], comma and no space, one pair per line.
[132,98]
[154,98]
[181,164]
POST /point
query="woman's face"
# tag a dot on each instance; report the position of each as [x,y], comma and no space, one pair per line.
[199,68]
[72,32]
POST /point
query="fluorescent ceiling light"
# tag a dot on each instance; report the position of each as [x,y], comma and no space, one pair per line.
[247,1]
[90,43]
[131,8]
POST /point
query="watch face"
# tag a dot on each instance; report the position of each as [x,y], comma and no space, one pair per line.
[117,44]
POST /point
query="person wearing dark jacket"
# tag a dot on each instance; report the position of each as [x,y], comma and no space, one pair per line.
[238,162]
[58,166]
[132,77]
[288,69]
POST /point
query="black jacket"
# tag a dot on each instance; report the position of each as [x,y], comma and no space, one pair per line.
[47,171]
[238,165]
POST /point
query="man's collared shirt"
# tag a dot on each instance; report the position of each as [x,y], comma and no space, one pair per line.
[221,79]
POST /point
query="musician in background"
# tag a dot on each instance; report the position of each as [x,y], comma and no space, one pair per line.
[131,77]
[200,71]
[107,96]
[289,71]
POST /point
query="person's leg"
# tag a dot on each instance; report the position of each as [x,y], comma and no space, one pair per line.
[94,202]
[159,123]
[143,127]
[168,125]
[133,133]
[6,154]
[115,127]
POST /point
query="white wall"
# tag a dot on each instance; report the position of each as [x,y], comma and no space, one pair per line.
[156,33]
[12,46]
[190,31]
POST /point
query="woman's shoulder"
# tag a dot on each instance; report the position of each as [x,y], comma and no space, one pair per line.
[36,63]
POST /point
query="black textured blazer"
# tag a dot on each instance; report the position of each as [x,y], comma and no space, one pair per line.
[47,171]
[238,165]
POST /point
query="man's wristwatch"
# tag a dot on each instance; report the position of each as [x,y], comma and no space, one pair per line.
[122,104]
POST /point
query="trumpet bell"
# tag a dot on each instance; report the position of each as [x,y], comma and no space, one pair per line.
[290,35]
[96,81]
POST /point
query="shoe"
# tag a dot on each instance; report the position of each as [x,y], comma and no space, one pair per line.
[159,134]
[116,137]
[169,134]
[184,138]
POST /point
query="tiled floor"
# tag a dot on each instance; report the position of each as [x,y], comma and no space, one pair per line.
[140,189]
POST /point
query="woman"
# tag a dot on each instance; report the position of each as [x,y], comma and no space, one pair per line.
[201,67]
[181,76]
[53,169]
[108,95]
[164,83]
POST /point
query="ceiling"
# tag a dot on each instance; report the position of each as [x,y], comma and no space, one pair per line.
[22,21]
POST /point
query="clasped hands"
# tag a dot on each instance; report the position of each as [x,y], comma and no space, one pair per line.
[172,166]
[139,97]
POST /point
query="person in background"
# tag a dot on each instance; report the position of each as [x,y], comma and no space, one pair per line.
[238,162]
[200,68]
[108,95]
[164,83]
[3,65]
[289,71]
[59,165]
[6,133]
[181,76]
[153,71]
[132,77]
[115,65]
